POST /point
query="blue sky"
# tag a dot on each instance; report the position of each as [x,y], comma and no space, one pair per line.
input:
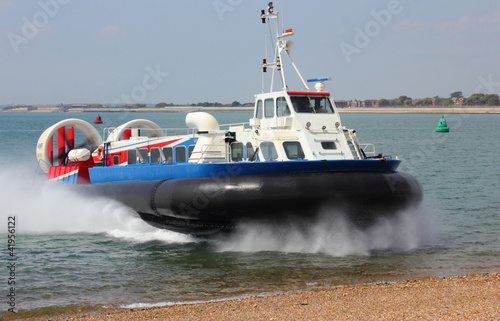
[187,51]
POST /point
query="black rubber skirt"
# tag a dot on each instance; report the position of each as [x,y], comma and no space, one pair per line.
[213,204]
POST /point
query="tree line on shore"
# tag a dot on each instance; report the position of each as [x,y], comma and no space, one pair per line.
[206,104]
[456,98]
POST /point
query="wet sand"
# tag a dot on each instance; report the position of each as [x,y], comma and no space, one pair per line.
[472,297]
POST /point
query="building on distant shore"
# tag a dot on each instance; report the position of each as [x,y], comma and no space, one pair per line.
[458,101]
[341,103]
[363,103]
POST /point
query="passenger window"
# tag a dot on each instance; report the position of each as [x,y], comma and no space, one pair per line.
[155,155]
[258,110]
[293,150]
[180,154]
[190,150]
[250,152]
[132,156]
[168,153]
[116,160]
[237,152]
[268,151]
[269,108]
[143,155]
[328,145]
[282,107]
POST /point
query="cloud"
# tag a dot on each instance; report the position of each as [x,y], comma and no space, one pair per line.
[110,31]
[449,27]
[6,4]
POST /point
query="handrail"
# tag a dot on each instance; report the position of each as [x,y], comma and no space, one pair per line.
[368,153]
[204,150]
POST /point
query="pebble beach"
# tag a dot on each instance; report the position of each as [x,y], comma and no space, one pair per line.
[470,297]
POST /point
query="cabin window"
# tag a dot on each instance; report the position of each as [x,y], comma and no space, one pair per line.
[258,109]
[301,104]
[132,156]
[312,104]
[168,154]
[155,155]
[328,145]
[180,154]
[268,150]
[116,160]
[237,152]
[293,150]
[250,152]
[282,109]
[190,150]
[321,104]
[143,155]
[269,108]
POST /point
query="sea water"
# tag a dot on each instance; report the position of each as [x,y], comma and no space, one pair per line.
[72,250]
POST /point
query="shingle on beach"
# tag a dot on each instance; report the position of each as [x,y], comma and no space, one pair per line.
[471,297]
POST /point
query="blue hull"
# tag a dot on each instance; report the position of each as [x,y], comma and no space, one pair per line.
[189,170]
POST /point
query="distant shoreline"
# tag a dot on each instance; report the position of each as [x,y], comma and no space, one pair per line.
[188,109]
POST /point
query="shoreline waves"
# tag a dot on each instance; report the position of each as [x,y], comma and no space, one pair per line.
[470,297]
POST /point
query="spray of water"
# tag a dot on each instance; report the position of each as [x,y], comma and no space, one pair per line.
[332,234]
[45,207]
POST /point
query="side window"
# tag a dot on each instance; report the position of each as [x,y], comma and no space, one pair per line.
[168,153]
[155,155]
[282,107]
[328,145]
[268,150]
[131,157]
[258,110]
[250,152]
[180,154]
[190,150]
[269,108]
[293,150]
[237,152]
[143,155]
[116,160]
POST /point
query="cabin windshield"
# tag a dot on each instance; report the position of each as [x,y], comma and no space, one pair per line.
[311,104]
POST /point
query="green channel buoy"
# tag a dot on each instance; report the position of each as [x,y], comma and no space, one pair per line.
[442,126]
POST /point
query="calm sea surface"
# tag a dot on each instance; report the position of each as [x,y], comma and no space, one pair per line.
[72,250]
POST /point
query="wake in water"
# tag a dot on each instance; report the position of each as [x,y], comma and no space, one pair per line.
[334,235]
[46,207]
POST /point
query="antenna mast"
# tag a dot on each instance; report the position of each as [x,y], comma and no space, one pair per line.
[281,45]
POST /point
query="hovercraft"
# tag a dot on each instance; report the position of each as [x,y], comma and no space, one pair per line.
[290,162]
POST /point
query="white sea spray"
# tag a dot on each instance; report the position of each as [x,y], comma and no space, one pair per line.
[47,207]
